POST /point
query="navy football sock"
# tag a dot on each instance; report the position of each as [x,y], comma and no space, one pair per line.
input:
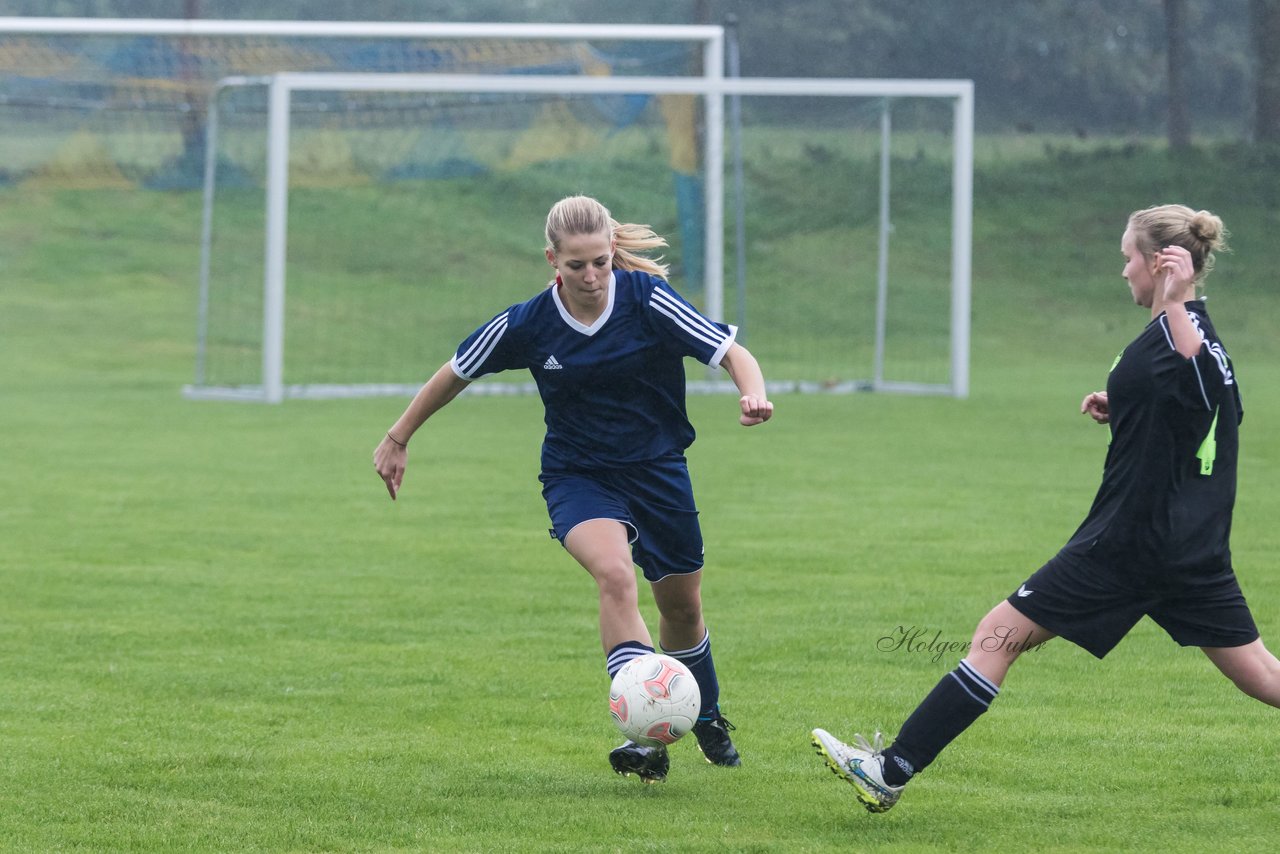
[698,659]
[954,703]
[622,653]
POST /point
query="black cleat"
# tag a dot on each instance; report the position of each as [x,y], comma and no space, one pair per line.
[650,764]
[714,742]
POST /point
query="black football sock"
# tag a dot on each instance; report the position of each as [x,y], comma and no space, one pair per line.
[953,704]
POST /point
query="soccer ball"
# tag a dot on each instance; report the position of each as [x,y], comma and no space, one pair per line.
[654,699]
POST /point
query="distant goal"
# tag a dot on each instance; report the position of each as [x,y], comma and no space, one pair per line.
[331,269]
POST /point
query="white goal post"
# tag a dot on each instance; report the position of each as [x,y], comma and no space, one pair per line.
[713,88]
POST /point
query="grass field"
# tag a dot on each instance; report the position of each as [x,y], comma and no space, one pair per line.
[217,634]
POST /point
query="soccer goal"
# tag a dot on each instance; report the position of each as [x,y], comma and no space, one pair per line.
[828,220]
[853,205]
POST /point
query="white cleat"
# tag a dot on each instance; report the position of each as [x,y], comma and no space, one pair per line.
[861,765]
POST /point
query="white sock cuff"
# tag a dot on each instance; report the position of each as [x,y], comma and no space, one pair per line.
[982,681]
[694,651]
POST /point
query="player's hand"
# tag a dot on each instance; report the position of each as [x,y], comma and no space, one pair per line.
[1179,274]
[389,461]
[755,410]
[1095,406]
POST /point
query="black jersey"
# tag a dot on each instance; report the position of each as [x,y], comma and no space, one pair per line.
[1169,481]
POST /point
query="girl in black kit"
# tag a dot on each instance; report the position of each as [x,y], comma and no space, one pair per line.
[1155,542]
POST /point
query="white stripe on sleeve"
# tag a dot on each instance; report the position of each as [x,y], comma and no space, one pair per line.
[690,321]
[482,347]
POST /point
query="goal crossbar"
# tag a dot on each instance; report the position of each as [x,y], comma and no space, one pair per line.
[358,29]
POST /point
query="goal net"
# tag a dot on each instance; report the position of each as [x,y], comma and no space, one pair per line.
[402,211]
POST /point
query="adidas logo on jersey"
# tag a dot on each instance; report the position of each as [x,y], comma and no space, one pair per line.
[551,364]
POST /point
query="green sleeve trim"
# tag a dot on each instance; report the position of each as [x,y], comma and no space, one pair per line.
[1209,448]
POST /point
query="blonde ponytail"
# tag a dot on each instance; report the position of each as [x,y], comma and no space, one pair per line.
[634,240]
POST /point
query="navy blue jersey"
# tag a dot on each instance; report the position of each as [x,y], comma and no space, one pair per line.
[614,391]
[1169,481]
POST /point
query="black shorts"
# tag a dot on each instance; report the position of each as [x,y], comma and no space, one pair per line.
[1094,606]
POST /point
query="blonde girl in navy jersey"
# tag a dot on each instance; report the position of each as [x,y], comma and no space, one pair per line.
[1155,542]
[606,343]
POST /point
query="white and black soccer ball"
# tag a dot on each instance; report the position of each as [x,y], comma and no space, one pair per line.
[654,699]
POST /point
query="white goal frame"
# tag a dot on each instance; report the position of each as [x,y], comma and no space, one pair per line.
[712,85]
[713,89]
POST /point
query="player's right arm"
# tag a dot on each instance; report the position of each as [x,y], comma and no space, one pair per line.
[1095,406]
[392,454]
[487,350]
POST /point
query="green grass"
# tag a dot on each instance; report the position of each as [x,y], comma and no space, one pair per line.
[217,634]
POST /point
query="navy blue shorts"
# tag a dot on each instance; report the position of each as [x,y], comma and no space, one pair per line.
[1094,606]
[653,499]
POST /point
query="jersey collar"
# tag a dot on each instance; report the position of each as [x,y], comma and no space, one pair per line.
[577,325]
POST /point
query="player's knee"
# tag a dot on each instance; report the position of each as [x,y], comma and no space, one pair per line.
[616,577]
[998,638]
[990,632]
[682,612]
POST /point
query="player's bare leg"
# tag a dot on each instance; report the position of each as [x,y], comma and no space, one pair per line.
[679,601]
[1252,668]
[602,547]
[1001,636]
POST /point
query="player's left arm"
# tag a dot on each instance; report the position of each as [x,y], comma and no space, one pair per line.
[747,376]
[712,343]
[1200,372]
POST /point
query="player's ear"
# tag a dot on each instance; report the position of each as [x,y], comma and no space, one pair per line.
[551,257]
